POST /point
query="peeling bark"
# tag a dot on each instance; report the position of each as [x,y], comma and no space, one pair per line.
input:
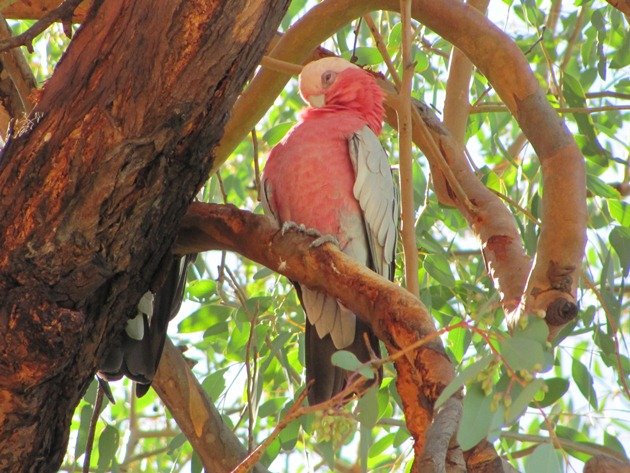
[91,193]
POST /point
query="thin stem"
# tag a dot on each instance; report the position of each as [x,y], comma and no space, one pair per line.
[406,156]
[380,45]
[496,107]
[89,443]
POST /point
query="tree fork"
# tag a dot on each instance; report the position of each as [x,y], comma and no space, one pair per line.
[92,191]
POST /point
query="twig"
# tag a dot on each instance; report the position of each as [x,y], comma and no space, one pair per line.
[62,12]
[132,442]
[438,156]
[613,325]
[405,154]
[296,411]
[497,107]
[577,29]
[222,188]
[558,442]
[380,44]
[93,421]
[530,216]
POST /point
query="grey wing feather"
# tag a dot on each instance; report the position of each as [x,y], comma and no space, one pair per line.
[266,199]
[376,192]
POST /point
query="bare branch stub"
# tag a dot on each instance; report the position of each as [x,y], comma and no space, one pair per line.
[62,13]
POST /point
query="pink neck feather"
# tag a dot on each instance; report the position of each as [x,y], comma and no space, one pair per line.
[357,90]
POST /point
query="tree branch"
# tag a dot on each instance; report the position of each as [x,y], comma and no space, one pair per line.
[62,13]
[215,443]
[405,158]
[396,316]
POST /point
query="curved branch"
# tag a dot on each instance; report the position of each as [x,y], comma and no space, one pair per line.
[396,316]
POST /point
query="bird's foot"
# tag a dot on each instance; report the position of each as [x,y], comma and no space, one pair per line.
[319,241]
[287,226]
[319,238]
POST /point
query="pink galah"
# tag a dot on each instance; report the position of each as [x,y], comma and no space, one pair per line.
[331,174]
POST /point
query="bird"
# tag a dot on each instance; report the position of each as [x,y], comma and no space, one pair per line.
[137,351]
[331,174]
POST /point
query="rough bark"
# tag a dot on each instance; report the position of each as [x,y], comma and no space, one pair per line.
[91,193]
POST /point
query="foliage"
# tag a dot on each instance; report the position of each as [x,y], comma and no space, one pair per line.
[242,323]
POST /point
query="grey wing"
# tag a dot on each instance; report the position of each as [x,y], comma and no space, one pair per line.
[377,194]
[266,199]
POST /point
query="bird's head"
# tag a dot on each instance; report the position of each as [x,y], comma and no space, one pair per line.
[333,81]
[319,77]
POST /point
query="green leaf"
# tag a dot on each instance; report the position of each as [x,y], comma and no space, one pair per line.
[196,466]
[176,442]
[544,458]
[206,316]
[619,238]
[600,188]
[82,433]
[289,435]
[522,353]
[107,446]
[584,382]
[273,135]
[382,444]
[271,407]
[366,56]
[619,210]
[477,418]
[202,288]
[612,442]
[470,372]
[348,361]
[263,273]
[367,408]
[438,267]
[395,37]
[520,403]
[556,387]
[458,340]
[214,384]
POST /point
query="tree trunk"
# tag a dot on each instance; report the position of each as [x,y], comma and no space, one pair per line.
[91,193]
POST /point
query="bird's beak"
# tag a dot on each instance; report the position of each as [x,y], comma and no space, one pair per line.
[317,100]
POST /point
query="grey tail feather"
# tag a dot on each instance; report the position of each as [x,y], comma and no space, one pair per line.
[328,379]
[139,359]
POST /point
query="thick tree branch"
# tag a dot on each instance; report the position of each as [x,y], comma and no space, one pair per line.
[396,316]
[215,443]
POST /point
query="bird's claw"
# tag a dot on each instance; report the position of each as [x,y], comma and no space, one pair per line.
[289,225]
[324,239]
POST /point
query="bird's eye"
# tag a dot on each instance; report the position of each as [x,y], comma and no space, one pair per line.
[328,78]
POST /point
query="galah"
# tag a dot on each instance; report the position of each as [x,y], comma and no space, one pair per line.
[139,348]
[331,174]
